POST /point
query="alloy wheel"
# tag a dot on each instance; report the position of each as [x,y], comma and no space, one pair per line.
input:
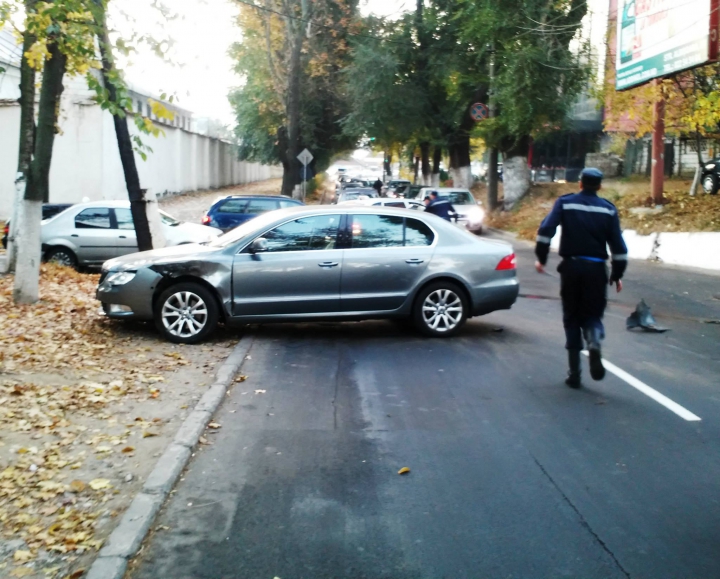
[62,258]
[709,184]
[442,310]
[184,314]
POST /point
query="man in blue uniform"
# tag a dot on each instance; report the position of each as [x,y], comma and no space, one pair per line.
[439,206]
[589,224]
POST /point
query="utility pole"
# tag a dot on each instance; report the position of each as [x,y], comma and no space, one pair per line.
[657,173]
[492,177]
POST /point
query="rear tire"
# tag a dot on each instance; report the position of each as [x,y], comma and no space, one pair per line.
[186,313]
[710,184]
[62,256]
[440,309]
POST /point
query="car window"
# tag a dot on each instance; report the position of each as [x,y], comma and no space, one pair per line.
[124,218]
[395,204]
[93,218]
[285,203]
[318,232]
[258,206]
[417,233]
[233,206]
[460,198]
[377,231]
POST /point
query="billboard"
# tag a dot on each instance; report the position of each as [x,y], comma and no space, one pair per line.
[658,37]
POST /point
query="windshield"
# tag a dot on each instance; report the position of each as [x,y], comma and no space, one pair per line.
[168,219]
[459,197]
[247,228]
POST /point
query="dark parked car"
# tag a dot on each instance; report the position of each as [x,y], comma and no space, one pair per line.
[229,212]
[711,176]
[48,210]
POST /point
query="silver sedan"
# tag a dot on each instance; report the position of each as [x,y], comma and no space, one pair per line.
[316,263]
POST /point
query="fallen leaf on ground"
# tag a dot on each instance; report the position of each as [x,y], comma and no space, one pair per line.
[260,391]
[22,572]
[214,425]
[22,556]
[149,433]
[99,484]
[128,449]
[77,486]
[240,378]
[404,470]
[76,574]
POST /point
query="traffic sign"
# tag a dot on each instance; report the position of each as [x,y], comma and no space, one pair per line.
[479,112]
[305,157]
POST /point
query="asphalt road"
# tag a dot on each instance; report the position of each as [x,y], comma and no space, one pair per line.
[513,474]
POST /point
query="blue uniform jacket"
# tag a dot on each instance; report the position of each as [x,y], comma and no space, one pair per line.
[589,224]
[441,207]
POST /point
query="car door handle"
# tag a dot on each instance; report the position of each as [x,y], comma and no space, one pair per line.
[123,237]
[328,263]
[414,261]
[74,235]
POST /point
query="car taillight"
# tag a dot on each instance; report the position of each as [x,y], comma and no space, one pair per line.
[206,220]
[6,229]
[507,262]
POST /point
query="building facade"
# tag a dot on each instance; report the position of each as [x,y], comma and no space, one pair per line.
[86,161]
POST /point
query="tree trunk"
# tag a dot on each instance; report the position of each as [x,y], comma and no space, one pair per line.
[460,171]
[138,202]
[27,278]
[437,157]
[698,169]
[425,162]
[388,164]
[291,173]
[27,135]
[416,169]
[516,175]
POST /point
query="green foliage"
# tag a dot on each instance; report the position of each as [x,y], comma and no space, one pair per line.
[538,74]
[260,102]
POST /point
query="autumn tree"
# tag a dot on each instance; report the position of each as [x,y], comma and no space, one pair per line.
[542,66]
[293,94]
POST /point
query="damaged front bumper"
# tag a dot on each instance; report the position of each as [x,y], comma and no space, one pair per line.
[131,299]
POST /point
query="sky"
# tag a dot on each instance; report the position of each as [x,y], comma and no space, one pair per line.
[201,74]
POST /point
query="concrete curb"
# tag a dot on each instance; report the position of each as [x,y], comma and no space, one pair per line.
[126,539]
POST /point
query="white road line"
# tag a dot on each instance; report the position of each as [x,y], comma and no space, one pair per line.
[683,413]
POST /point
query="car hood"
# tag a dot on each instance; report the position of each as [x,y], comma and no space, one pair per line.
[466,208]
[178,253]
[197,230]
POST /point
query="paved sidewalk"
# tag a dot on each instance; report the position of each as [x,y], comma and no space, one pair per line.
[192,206]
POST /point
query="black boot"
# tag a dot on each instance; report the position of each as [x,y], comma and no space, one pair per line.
[593,339]
[573,379]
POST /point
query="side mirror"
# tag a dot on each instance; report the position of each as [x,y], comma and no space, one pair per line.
[258,245]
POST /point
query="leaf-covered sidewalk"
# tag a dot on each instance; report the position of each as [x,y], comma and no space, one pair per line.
[86,407]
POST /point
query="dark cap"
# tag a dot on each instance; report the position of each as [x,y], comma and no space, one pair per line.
[591,176]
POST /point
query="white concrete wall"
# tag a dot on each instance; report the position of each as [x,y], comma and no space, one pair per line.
[86,161]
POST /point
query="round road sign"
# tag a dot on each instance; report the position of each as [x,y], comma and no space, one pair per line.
[479,112]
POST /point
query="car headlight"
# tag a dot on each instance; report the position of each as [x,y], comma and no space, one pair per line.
[120,277]
[475,215]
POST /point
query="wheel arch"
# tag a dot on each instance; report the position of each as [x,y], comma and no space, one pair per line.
[450,278]
[169,281]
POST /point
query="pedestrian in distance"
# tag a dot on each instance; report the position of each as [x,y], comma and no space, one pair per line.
[589,225]
[378,185]
[440,206]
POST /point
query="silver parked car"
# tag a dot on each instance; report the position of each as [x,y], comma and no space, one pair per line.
[91,233]
[468,211]
[316,263]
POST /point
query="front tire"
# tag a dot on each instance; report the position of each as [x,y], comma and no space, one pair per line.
[62,256]
[440,309]
[186,313]
[710,184]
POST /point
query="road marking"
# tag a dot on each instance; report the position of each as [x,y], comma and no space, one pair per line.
[683,413]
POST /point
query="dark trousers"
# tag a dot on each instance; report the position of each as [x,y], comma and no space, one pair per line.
[583,289]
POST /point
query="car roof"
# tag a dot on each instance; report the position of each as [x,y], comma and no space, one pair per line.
[250,196]
[447,189]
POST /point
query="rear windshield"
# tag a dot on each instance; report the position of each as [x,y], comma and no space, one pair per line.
[459,197]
